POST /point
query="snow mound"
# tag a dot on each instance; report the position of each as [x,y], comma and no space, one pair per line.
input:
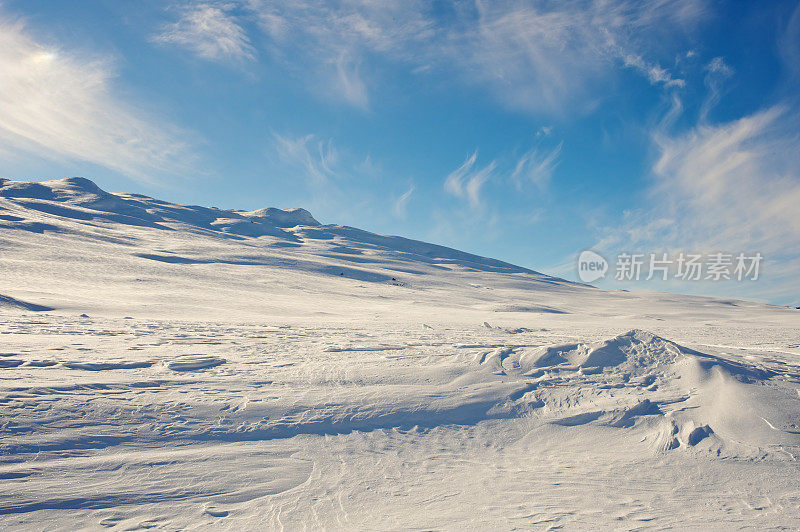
[680,397]
[195,362]
[85,193]
[252,228]
[24,189]
[283,217]
[634,351]
[8,302]
[541,309]
[105,366]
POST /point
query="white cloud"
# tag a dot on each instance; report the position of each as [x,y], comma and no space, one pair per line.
[211,32]
[789,47]
[453,184]
[314,157]
[330,42]
[349,83]
[717,72]
[401,203]
[654,73]
[463,182]
[59,105]
[735,183]
[544,55]
[536,55]
[536,167]
[731,187]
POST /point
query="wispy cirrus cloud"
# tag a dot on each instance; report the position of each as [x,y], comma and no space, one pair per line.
[724,187]
[654,72]
[717,73]
[541,56]
[348,81]
[210,31]
[315,158]
[465,182]
[401,203]
[332,42]
[536,55]
[536,166]
[334,183]
[60,104]
[734,183]
[789,46]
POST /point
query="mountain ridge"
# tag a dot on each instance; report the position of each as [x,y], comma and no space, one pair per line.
[68,245]
[81,199]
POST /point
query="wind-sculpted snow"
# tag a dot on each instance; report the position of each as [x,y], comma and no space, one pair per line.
[179,367]
[246,423]
[10,302]
[686,395]
[509,381]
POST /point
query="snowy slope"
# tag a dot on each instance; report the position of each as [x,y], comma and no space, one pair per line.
[142,248]
[171,366]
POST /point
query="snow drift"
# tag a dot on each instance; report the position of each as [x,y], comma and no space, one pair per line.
[186,367]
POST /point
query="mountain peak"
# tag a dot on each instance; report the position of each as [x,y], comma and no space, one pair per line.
[75,184]
[56,189]
[283,217]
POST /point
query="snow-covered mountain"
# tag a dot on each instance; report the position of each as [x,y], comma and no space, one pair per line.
[70,245]
[172,366]
[81,200]
[141,240]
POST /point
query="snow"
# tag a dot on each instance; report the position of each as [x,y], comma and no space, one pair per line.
[183,367]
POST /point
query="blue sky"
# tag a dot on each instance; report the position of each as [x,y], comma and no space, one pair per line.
[525,131]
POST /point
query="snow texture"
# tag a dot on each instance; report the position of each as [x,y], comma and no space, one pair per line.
[180,367]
